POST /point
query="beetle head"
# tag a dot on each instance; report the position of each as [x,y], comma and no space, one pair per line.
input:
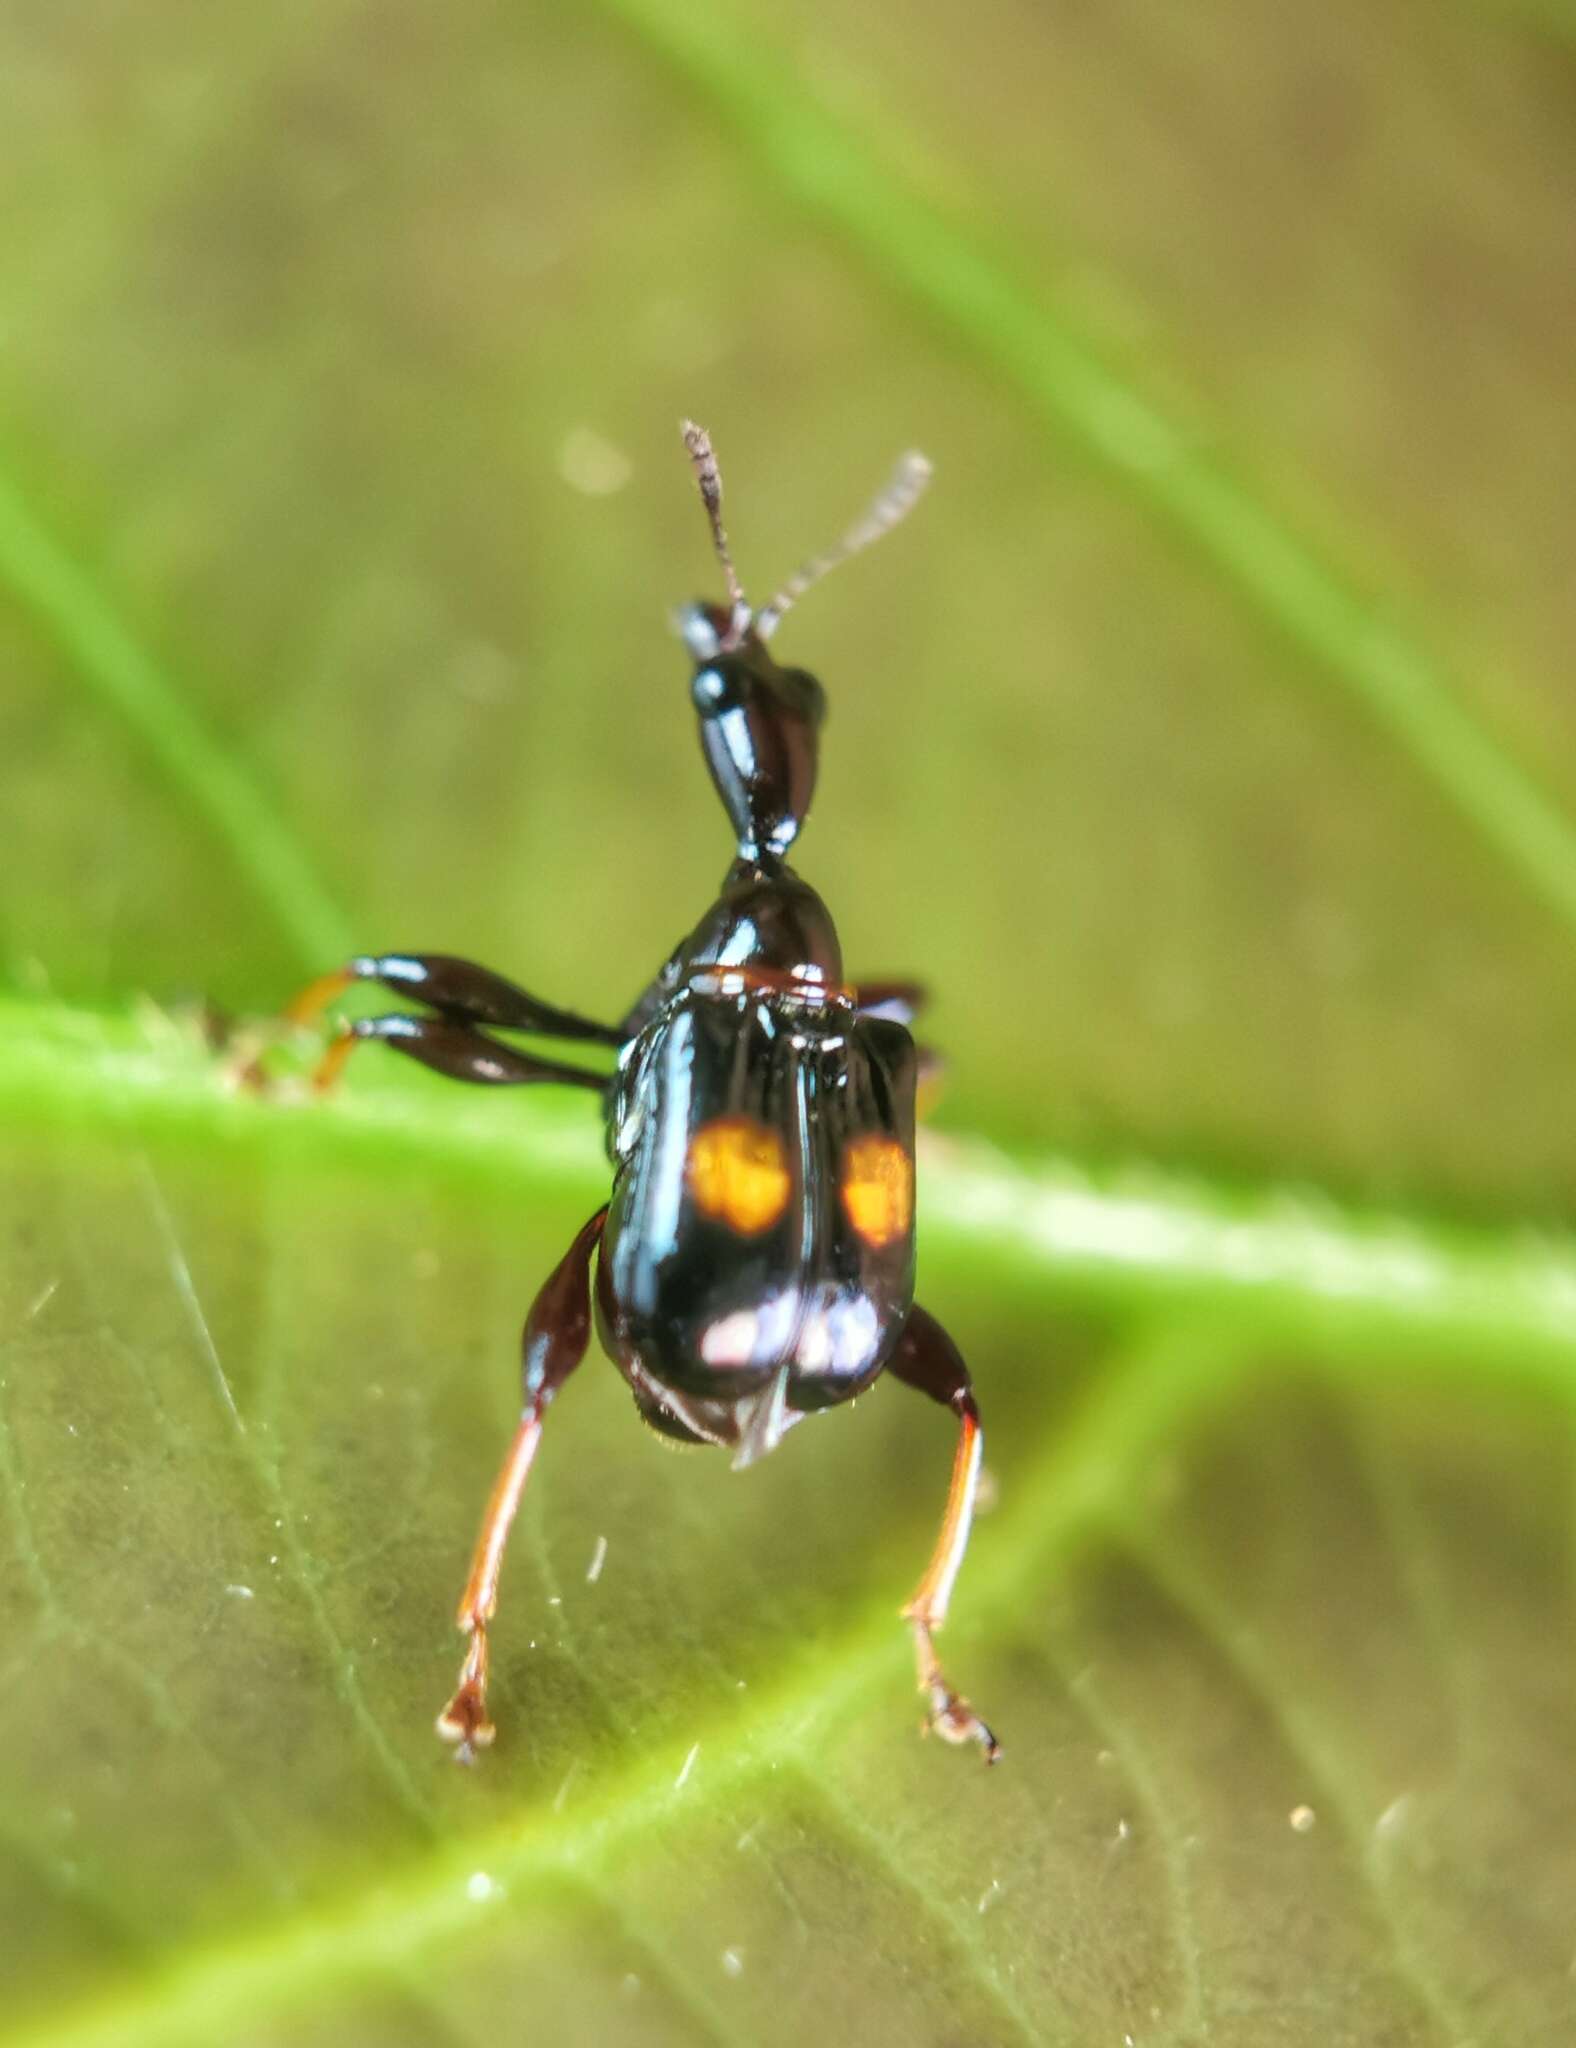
[759,727]
[760,723]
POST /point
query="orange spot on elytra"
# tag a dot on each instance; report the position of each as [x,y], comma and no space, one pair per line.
[878,1189]
[738,1174]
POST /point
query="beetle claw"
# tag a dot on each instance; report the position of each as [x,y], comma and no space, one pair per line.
[950,1715]
[955,1721]
[464,1720]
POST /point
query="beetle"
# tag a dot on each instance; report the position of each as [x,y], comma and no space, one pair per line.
[754,1263]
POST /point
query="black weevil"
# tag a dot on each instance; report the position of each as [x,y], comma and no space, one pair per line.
[757,1253]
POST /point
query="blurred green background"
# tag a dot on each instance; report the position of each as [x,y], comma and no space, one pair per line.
[1205,740]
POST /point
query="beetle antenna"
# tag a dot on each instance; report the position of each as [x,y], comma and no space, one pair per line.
[709,477]
[880,516]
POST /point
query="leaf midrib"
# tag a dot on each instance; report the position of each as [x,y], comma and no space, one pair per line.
[1139,1238]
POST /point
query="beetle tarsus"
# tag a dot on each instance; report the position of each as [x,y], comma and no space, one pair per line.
[464,1720]
[927,1358]
[304,1012]
[950,1715]
[955,1721]
[331,1064]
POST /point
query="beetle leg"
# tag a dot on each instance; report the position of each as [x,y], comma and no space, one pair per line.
[930,1078]
[458,1050]
[457,989]
[927,1358]
[901,1001]
[556,1334]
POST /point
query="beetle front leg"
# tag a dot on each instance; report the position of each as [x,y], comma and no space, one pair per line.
[556,1334]
[464,998]
[455,988]
[927,1358]
[902,1001]
[463,1052]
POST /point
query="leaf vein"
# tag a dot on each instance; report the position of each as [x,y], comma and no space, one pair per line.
[960,1932]
[60,1622]
[1258,1675]
[262,1459]
[76,613]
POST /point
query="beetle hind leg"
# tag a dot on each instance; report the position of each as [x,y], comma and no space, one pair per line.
[927,1358]
[556,1334]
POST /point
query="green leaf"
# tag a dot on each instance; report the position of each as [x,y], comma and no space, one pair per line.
[1204,739]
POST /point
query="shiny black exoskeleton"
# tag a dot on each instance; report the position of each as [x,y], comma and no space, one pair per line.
[735,1299]
[756,1256]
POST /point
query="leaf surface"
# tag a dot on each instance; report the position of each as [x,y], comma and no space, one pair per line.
[1203,740]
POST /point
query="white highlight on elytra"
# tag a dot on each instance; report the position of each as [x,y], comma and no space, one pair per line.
[815,1344]
[731,1339]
